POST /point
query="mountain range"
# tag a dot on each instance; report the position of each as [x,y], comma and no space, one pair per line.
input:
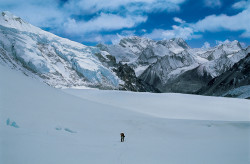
[135,63]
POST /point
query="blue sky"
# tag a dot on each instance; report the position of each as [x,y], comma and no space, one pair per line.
[199,22]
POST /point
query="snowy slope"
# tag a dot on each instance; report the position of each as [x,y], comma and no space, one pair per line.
[57,61]
[167,105]
[39,124]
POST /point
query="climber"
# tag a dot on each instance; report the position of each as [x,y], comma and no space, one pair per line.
[122,137]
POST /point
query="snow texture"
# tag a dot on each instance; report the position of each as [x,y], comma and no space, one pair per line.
[159,128]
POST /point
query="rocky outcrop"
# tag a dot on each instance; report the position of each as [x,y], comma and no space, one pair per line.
[131,82]
[235,77]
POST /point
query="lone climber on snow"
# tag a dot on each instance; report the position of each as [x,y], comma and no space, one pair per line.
[122,137]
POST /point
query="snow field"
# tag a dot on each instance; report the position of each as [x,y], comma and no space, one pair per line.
[56,127]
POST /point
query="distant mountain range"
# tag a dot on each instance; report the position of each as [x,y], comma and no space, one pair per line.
[136,64]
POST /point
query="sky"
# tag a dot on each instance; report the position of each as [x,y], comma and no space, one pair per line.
[202,23]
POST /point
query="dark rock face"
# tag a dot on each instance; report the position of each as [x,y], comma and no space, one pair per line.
[157,74]
[126,74]
[189,82]
[237,76]
[109,61]
[131,82]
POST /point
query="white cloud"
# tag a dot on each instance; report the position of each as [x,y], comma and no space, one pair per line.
[212,23]
[130,5]
[67,17]
[244,45]
[241,4]
[50,17]
[178,20]
[213,3]
[206,45]
[42,13]
[218,42]
[116,39]
[105,38]
[236,22]
[96,38]
[104,22]
[186,33]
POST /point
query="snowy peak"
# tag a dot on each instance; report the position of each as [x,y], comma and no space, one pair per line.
[134,40]
[135,44]
[230,47]
[176,45]
[180,42]
[9,16]
[10,20]
[7,19]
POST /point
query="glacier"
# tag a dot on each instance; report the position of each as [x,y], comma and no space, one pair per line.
[56,61]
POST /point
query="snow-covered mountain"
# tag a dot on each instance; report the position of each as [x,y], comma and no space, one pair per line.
[139,52]
[234,82]
[56,61]
[171,65]
[135,63]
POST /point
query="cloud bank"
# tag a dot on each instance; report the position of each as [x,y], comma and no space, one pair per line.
[109,20]
[211,23]
[85,17]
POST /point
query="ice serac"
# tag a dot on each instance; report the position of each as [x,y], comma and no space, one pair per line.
[54,60]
